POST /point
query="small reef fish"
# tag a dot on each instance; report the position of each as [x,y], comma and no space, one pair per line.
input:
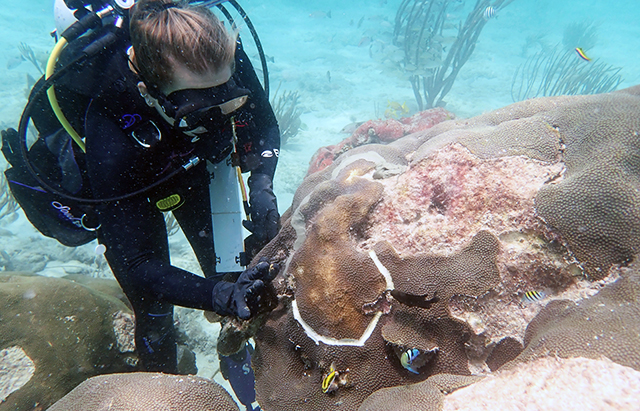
[581,54]
[409,360]
[430,64]
[320,14]
[489,13]
[30,81]
[351,127]
[444,41]
[457,5]
[329,383]
[364,41]
[533,296]
[270,59]
[395,109]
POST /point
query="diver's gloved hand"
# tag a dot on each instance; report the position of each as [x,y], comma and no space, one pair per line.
[243,298]
[265,219]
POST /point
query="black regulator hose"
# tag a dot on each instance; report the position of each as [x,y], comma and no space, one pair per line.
[86,23]
[88,52]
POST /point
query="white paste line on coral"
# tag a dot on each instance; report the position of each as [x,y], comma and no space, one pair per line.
[383,270]
[317,338]
[299,224]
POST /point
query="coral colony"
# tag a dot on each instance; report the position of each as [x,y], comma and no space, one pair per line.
[412,265]
[458,249]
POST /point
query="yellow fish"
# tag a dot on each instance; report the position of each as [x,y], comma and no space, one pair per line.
[390,113]
[329,383]
[394,105]
[395,109]
[581,54]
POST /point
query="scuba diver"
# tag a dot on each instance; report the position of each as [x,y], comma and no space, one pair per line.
[173,89]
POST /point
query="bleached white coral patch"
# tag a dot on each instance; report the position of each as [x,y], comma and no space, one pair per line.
[16,369]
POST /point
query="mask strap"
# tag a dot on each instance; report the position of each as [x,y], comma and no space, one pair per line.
[167,6]
[153,90]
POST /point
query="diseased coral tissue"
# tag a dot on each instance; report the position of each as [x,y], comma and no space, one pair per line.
[466,248]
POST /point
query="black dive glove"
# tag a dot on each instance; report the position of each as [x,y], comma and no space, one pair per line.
[265,219]
[243,298]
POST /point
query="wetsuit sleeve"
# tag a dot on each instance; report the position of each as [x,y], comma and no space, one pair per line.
[259,147]
[133,230]
[258,132]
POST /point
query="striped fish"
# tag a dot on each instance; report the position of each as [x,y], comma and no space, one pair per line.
[408,360]
[489,13]
[533,296]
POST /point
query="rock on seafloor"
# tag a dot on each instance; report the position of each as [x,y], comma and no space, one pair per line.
[573,384]
[447,243]
[55,333]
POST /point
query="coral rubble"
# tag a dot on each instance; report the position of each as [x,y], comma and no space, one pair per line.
[446,244]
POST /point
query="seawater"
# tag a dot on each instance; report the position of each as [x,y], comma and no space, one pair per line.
[339,57]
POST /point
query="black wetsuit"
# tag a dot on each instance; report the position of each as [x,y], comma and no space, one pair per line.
[133,230]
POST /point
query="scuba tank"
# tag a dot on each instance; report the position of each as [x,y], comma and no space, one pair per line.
[226,216]
[46,177]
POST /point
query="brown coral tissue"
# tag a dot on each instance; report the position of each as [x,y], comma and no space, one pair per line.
[391,279]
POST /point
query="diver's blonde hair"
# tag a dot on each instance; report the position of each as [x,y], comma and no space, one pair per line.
[166,33]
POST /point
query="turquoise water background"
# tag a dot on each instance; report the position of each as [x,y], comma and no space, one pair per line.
[333,54]
[330,52]
[339,57]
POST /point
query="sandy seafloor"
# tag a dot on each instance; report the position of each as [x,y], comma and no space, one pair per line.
[328,61]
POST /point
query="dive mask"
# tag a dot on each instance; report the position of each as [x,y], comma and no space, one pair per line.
[201,110]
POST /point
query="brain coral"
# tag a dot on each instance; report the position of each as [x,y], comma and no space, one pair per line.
[146,391]
[47,319]
[428,395]
[431,243]
[604,325]
[595,204]
[341,294]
